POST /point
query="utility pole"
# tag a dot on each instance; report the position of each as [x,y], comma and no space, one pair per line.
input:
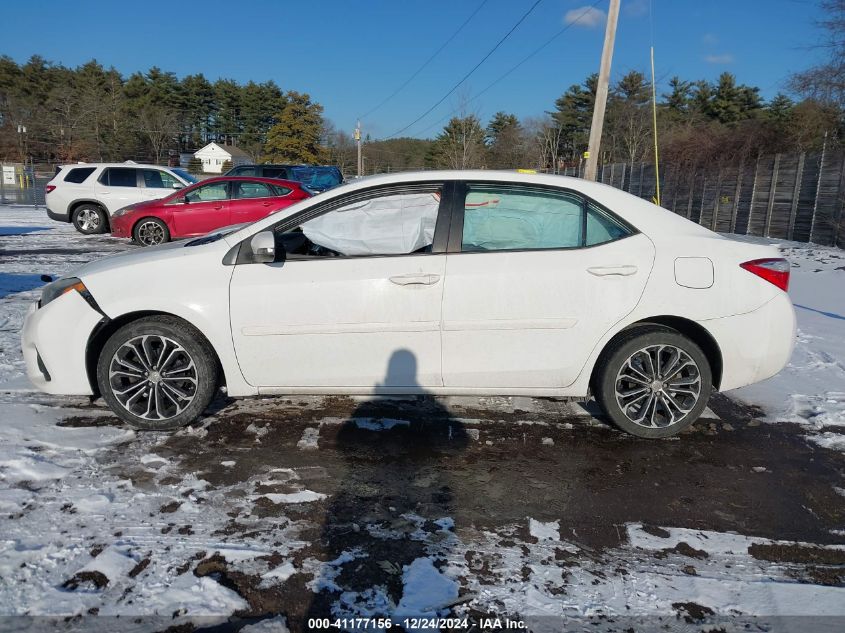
[601,92]
[360,157]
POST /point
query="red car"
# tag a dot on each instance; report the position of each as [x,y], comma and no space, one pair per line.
[201,208]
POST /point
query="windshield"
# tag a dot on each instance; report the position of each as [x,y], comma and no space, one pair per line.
[317,178]
[184,175]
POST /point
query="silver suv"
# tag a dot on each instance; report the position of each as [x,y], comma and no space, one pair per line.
[87,194]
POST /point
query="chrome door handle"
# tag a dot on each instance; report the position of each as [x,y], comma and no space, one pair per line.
[603,271]
[423,279]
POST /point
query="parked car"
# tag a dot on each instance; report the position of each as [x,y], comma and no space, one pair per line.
[316,178]
[204,207]
[447,282]
[87,194]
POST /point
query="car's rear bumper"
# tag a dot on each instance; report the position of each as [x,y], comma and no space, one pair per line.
[54,340]
[58,215]
[755,345]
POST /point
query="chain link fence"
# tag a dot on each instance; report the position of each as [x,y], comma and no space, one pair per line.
[23,185]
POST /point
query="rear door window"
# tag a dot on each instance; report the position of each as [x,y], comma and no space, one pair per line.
[504,218]
[251,190]
[120,177]
[79,175]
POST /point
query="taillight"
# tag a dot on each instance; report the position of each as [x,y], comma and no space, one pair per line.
[775,270]
[49,188]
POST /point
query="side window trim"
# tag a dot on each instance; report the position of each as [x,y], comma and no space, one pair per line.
[456,228]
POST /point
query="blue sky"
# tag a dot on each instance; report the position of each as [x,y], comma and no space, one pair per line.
[349,55]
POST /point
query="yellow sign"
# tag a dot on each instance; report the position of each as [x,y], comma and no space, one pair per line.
[526,171]
[586,154]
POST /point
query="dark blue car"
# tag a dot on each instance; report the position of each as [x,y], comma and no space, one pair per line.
[313,177]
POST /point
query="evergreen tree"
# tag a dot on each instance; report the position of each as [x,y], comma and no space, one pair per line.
[574,116]
[295,136]
[461,144]
[504,141]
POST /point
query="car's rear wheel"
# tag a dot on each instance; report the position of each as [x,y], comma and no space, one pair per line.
[151,231]
[89,219]
[157,373]
[653,382]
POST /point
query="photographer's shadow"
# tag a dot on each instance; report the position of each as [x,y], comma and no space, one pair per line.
[395,503]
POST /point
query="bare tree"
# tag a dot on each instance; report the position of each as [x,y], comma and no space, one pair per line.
[544,135]
[826,82]
[160,126]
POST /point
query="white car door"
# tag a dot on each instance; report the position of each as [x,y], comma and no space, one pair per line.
[118,187]
[534,278]
[356,303]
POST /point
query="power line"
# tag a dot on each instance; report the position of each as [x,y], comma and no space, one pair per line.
[467,76]
[524,60]
[426,63]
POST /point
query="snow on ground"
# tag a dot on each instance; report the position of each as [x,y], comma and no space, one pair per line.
[95,518]
[811,389]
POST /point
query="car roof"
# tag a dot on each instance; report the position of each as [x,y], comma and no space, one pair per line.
[654,221]
[291,184]
[135,165]
[285,165]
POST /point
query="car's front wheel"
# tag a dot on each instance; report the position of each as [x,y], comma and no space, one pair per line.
[89,219]
[157,373]
[151,231]
[653,382]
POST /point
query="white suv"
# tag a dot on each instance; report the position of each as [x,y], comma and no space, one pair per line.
[88,194]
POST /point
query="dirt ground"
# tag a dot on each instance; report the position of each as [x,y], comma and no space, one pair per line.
[392,470]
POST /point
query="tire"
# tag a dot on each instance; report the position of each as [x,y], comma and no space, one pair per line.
[150,232]
[90,219]
[624,386]
[129,379]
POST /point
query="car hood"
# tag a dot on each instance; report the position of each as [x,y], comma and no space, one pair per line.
[135,257]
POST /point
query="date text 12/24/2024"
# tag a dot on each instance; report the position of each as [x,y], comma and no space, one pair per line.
[414,624]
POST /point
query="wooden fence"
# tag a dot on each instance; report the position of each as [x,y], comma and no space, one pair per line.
[786,196]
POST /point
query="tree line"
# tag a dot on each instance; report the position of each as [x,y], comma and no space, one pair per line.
[699,122]
[94,113]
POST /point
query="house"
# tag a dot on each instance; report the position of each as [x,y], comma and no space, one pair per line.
[213,156]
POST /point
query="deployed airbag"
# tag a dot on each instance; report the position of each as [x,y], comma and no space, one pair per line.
[392,225]
[523,220]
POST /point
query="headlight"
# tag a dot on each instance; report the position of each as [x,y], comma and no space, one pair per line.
[123,211]
[59,287]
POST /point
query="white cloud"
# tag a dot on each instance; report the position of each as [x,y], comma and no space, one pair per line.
[709,39]
[586,16]
[723,58]
[636,8]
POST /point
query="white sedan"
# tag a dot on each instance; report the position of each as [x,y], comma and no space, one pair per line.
[450,282]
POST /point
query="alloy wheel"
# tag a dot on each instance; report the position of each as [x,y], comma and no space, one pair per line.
[153,377]
[150,233]
[88,219]
[658,386]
